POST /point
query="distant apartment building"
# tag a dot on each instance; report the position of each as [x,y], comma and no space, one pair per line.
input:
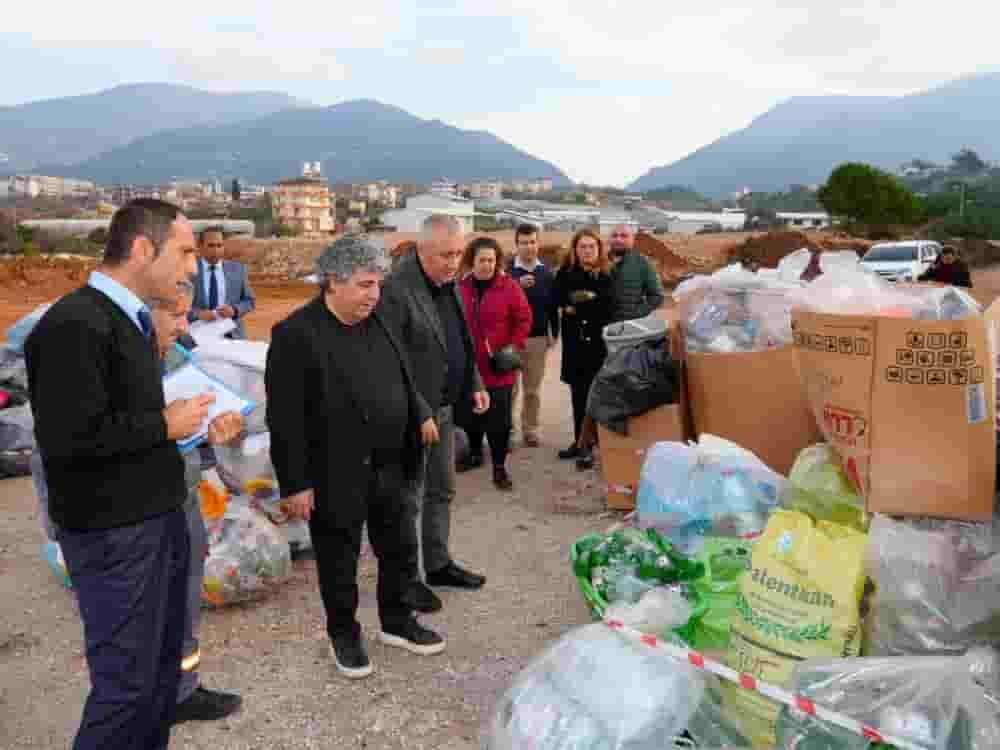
[485,189]
[303,203]
[419,207]
[35,186]
[541,185]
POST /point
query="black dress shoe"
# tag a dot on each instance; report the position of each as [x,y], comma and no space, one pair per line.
[585,461]
[422,599]
[207,705]
[413,637]
[569,453]
[351,656]
[298,552]
[451,575]
[501,479]
[470,463]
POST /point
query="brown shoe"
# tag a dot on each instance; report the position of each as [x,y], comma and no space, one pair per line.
[531,441]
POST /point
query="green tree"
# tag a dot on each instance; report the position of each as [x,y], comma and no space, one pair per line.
[967,161]
[866,195]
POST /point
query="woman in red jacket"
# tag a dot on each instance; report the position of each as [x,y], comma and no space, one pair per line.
[499,315]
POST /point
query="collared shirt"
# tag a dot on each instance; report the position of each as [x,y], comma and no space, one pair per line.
[518,263]
[220,279]
[121,295]
[452,321]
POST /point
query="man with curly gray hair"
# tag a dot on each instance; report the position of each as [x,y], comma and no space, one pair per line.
[345,423]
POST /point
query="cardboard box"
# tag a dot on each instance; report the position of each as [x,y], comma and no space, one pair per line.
[754,399]
[909,405]
[622,455]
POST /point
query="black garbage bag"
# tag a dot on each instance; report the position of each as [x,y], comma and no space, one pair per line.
[633,380]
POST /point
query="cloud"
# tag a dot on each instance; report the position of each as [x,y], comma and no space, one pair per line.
[234,63]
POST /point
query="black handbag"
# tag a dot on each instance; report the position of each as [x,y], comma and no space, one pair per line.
[505,360]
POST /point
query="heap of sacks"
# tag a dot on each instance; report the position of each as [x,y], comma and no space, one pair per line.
[251,537]
[890,622]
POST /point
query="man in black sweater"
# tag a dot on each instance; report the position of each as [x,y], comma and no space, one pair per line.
[346,423]
[538,283]
[115,476]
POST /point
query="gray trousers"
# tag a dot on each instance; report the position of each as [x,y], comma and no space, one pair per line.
[432,494]
[199,549]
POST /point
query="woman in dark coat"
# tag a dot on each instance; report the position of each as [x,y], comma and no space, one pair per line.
[583,294]
[498,315]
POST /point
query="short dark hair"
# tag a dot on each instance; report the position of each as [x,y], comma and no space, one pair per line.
[215,228]
[142,217]
[524,230]
[482,243]
[949,250]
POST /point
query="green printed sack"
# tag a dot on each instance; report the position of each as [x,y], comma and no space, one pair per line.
[725,561]
[799,600]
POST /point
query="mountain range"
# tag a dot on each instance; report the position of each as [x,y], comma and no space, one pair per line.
[355,141]
[70,130]
[801,140]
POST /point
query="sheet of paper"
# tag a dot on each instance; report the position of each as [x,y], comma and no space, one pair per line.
[189,381]
[204,330]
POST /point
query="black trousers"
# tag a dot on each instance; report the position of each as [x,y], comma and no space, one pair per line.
[131,585]
[579,390]
[495,424]
[336,540]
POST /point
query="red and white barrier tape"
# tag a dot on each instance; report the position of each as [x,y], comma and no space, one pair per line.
[766,689]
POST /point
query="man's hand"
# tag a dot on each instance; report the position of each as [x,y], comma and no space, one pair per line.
[300,505]
[569,310]
[527,281]
[184,416]
[429,432]
[225,428]
[206,315]
[480,402]
[226,311]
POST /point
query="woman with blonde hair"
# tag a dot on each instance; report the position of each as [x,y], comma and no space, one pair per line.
[584,297]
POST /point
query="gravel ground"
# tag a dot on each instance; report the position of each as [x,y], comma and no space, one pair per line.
[274,652]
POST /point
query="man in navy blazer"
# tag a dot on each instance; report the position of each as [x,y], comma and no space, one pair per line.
[221,287]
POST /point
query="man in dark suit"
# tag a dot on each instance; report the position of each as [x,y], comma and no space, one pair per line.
[221,287]
[116,486]
[345,423]
[421,301]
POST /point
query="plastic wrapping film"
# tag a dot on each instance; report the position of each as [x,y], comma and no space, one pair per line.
[937,586]
[595,689]
[936,702]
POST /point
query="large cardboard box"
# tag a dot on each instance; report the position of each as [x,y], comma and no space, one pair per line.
[622,455]
[754,399]
[909,405]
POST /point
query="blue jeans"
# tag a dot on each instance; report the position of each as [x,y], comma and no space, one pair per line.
[131,584]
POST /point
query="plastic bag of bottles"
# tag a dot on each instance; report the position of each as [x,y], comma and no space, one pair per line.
[658,611]
[247,557]
[596,689]
[818,487]
[856,292]
[245,468]
[709,488]
[710,727]
[937,702]
[797,730]
[937,586]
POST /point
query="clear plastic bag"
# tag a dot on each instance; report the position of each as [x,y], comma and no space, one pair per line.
[245,468]
[658,611]
[711,488]
[240,365]
[932,701]
[247,557]
[937,586]
[595,689]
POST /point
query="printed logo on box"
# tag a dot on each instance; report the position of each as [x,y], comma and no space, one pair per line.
[937,340]
[843,426]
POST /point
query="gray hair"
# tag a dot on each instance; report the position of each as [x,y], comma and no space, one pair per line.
[441,221]
[349,254]
[184,289]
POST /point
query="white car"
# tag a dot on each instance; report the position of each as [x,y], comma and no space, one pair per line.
[901,261]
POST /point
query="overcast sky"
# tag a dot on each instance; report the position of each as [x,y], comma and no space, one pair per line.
[605,90]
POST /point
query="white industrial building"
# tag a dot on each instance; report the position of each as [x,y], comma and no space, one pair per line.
[419,207]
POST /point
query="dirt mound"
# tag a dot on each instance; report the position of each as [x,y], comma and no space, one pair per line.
[768,249]
[670,263]
[55,275]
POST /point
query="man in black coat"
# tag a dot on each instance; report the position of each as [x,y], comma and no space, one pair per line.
[115,478]
[426,310]
[345,423]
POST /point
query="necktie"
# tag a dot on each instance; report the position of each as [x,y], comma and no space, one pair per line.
[146,323]
[213,289]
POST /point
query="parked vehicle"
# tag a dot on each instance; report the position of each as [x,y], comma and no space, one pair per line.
[901,261]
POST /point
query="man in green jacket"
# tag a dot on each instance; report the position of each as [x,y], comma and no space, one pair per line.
[635,285]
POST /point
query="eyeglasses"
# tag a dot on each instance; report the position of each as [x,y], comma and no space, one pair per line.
[214,244]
